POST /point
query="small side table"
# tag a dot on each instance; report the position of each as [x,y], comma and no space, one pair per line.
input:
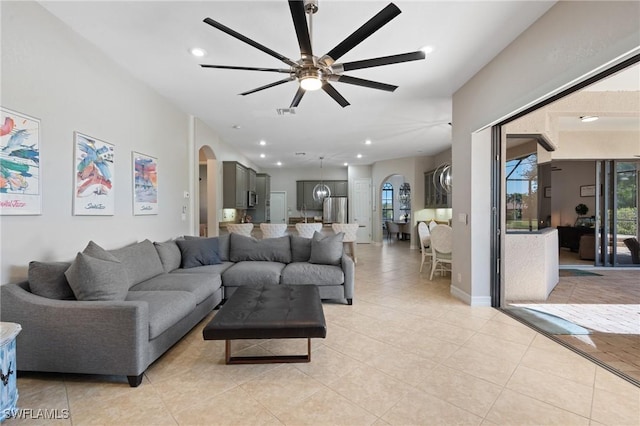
[8,382]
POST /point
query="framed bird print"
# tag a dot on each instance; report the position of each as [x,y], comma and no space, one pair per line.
[93,189]
[145,184]
[20,177]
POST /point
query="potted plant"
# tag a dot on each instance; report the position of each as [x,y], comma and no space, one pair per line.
[581,209]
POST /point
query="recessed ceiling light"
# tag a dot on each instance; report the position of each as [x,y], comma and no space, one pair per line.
[198,52]
[237,126]
[263,143]
[589,118]
[279,163]
[262,155]
[359,155]
[427,49]
[346,164]
[367,142]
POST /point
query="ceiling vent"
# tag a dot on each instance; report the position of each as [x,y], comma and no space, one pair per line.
[286,111]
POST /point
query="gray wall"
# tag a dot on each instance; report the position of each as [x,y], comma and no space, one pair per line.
[571,40]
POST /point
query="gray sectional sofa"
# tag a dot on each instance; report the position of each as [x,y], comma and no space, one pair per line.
[114,312]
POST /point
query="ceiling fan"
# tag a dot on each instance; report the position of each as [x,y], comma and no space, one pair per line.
[313,72]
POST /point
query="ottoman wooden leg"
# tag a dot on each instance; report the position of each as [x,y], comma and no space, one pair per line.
[267,359]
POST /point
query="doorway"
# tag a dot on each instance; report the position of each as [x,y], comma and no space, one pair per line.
[207,194]
[278,200]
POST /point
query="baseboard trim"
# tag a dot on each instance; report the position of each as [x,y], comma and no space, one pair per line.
[468,299]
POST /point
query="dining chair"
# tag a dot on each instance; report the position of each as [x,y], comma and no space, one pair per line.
[273,230]
[432,224]
[240,228]
[425,243]
[441,248]
[393,228]
[307,229]
[350,230]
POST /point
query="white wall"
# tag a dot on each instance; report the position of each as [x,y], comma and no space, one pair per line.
[571,40]
[52,74]
[565,190]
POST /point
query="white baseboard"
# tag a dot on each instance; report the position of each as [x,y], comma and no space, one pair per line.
[466,298]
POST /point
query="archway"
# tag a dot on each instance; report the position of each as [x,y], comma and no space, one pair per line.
[394,196]
[207,195]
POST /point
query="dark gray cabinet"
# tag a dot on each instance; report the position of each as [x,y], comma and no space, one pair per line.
[235,185]
[251,176]
[435,197]
[262,211]
[304,192]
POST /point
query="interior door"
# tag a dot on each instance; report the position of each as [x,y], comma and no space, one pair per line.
[360,208]
[278,201]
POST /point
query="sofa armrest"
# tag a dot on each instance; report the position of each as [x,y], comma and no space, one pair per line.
[109,337]
[348,267]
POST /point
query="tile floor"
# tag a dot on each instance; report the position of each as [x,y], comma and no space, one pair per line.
[405,353]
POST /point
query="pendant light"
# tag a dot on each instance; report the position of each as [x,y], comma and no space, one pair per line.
[321,191]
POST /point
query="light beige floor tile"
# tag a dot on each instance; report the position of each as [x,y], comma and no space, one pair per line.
[328,365]
[461,389]
[419,408]
[552,389]
[39,403]
[327,407]
[616,409]
[404,366]
[561,362]
[444,331]
[512,408]
[488,367]
[282,388]
[490,345]
[510,330]
[371,389]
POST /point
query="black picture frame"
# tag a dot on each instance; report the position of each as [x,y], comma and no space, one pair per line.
[547,192]
[587,190]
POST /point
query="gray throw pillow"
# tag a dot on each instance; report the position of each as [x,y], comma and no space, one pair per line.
[300,248]
[47,279]
[243,248]
[170,255]
[199,252]
[326,250]
[223,245]
[91,278]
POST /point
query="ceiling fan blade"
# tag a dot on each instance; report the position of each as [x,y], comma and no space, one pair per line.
[302,30]
[331,91]
[231,67]
[378,62]
[364,83]
[267,86]
[370,27]
[297,98]
[250,42]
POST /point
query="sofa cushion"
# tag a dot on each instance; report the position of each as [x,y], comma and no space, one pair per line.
[206,269]
[91,278]
[200,285]
[169,254]
[47,279]
[243,273]
[223,245]
[166,308]
[140,260]
[199,252]
[326,250]
[243,248]
[300,248]
[301,273]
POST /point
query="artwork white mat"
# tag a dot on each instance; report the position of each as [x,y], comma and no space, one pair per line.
[20,172]
[145,184]
[93,189]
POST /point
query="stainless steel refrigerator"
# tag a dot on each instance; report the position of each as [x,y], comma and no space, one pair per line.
[334,210]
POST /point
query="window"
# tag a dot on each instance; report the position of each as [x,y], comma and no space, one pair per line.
[522,193]
[387,201]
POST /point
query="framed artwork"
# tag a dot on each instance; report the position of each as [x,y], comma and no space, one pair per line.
[547,192]
[145,184]
[93,188]
[20,178]
[588,191]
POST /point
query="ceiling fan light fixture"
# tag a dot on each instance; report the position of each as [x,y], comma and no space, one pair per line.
[310,79]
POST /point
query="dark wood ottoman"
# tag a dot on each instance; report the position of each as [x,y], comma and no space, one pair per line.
[269,312]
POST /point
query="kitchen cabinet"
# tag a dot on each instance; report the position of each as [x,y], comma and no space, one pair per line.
[235,185]
[251,176]
[262,211]
[434,195]
[304,192]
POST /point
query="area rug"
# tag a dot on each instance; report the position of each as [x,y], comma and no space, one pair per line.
[577,273]
[546,322]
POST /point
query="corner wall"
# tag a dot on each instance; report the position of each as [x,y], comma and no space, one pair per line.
[570,41]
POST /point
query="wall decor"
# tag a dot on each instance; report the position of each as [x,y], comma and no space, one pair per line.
[93,189]
[588,191]
[547,192]
[145,184]
[20,177]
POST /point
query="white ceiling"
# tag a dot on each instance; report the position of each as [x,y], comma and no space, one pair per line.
[151,40]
